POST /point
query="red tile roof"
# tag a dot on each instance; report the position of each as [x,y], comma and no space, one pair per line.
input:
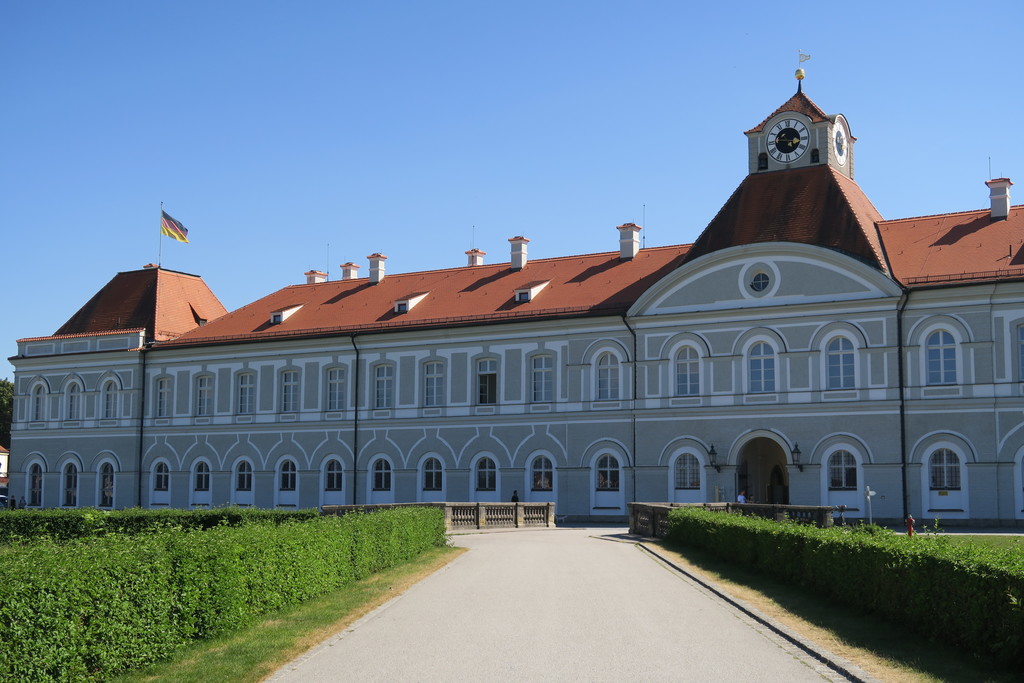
[165,303]
[813,205]
[594,284]
[955,247]
[800,103]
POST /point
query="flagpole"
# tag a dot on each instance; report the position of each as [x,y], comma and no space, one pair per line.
[160,237]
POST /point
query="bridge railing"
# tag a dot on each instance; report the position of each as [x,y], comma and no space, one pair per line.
[470,515]
[651,519]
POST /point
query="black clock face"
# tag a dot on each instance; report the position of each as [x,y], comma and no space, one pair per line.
[787,140]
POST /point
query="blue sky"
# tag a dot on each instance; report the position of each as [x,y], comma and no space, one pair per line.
[272,130]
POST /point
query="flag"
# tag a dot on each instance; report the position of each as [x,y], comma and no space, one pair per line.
[172,228]
[803,57]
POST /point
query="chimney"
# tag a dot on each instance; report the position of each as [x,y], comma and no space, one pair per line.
[349,271]
[999,193]
[629,241]
[519,252]
[376,267]
[476,257]
[315,276]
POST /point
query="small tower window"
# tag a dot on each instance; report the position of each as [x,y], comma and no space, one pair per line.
[815,157]
[762,161]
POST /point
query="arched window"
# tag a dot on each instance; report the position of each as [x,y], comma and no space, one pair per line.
[687,372]
[202,477]
[944,470]
[109,400]
[382,475]
[687,471]
[941,358]
[35,485]
[243,476]
[246,393]
[762,368]
[333,479]
[106,485]
[607,377]
[73,402]
[433,383]
[486,475]
[336,389]
[288,473]
[842,471]
[432,475]
[204,395]
[840,364]
[607,473]
[70,485]
[161,477]
[38,403]
[542,474]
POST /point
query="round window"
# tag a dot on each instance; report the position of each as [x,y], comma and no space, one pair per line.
[760,282]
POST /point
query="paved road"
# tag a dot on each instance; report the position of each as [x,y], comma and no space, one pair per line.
[553,605]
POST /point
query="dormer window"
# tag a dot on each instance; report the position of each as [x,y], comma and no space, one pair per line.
[278,317]
[529,291]
[405,305]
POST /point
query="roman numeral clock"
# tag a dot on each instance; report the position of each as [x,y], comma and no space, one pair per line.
[787,140]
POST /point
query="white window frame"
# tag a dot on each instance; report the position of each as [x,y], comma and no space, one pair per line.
[204,395]
[686,472]
[35,485]
[246,393]
[542,378]
[433,383]
[841,355]
[485,474]
[73,401]
[840,471]
[948,470]
[337,378]
[487,382]
[290,391]
[384,387]
[109,399]
[164,397]
[608,477]
[762,376]
[38,407]
[937,366]
[243,477]
[538,469]
[608,370]
[70,476]
[106,481]
[687,371]
[201,477]
[382,475]
[287,476]
[330,474]
[161,476]
[433,474]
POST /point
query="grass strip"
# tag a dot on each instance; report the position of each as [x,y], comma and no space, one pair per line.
[884,650]
[256,652]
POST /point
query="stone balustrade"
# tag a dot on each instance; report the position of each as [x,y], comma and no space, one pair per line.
[651,519]
[458,516]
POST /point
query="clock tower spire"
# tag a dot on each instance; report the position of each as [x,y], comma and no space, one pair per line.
[799,134]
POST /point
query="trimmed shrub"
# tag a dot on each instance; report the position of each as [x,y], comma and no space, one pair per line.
[93,607]
[968,595]
[62,525]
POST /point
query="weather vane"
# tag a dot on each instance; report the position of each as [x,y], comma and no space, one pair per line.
[800,72]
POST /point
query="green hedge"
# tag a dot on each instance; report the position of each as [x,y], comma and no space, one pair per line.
[90,608]
[968,595]
[62,525]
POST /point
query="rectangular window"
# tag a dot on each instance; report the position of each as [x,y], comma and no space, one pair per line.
[336,389]
[1020,351]
[433,383]
[246,393]
[687,372]
[163,397]
[204,394]
[289,391]
[487,382]
[109,401]
[384,386]
[543,379]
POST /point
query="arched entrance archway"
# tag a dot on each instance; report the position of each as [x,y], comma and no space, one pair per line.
[761,472]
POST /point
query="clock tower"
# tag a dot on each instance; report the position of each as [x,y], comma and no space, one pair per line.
[798,135]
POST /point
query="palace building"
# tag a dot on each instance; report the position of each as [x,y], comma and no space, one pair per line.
[801,349]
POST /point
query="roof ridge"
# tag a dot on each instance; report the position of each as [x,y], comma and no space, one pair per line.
[877,245]
[948,213]
[101,333]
